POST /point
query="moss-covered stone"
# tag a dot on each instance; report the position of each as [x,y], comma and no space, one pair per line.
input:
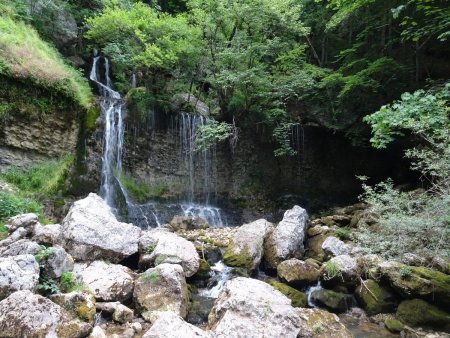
[334,301]
[203,270]
[238,258]
[417,312]
[420,282]
[393,325]
[298,298]
[378,300]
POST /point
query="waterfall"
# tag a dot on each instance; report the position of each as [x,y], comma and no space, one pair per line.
[112,107]
[200,168]
[198,165]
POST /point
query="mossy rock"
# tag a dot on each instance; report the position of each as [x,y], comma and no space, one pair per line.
[203,270]
[332,300]
[393,325]
[298,298]
[420,282]
[378,300]
[238,258]
[417,312]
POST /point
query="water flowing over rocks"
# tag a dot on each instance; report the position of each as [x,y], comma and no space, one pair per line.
[18,273]
[247,246]
[251,308]
[170,325]
[109,282]
[286,241]
[160,289]
[165,247]
[90,231]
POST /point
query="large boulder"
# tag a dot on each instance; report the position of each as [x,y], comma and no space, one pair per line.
[58,262]
[246,248]
[20,247]
[346,271]
[298,298]
[375,298]
[158,247]
[18,273]
[170,325]
[81,304]
[21,221]
[333,246]
[317,323]
[109,282]
[90,231]
[419,282]
[297,273]
[162,288]
[332,300]
[46,234]
[188,223]
[251,308]
[417,312]
[286,241]
[24,314]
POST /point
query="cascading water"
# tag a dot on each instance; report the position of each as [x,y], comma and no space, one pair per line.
[112,107]
[201,170]
[198,165]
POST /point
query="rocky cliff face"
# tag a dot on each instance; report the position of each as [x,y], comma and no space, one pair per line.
[323,172]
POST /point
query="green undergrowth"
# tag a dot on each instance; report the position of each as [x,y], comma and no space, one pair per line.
[137,190]
[25,56]
[34,186]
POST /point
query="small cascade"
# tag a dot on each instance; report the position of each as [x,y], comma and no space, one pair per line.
[112,107]
[310,291]
[211,214]
[220,274]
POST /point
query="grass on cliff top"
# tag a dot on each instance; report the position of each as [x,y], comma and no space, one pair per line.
[25,56]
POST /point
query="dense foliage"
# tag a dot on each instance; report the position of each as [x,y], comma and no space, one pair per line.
[417,221]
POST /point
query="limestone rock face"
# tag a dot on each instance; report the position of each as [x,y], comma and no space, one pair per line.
[335,247]
[90,231]
[328,324]
[21,221]
[286,241]
[46,234]
[20,247]
[297,272]
[18,273]
[252,309]
[247,246]
[170,325]
[162,288]
[109,282]
[24,314]
[166,247]
[188,223]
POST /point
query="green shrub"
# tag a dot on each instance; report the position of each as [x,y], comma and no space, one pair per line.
[343,234]
[12,204]
[3,232]
[24,55]
[68,284]
[332,270]
[44,178]
[137,190]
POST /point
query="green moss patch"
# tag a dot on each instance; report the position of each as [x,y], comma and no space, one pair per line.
[298,298]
